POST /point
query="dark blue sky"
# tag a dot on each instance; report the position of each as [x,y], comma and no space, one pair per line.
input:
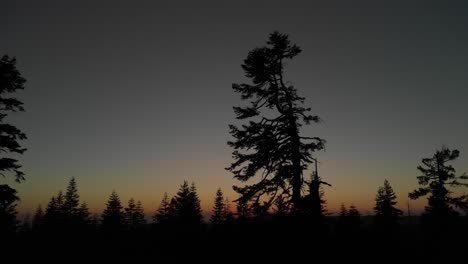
[136,96]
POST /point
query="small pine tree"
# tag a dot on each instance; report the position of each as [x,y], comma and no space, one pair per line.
[165,212]
[60,201]
[129,211]
[53,218]
[51,210]
[139,216]
[187,205]
[113,215]
[71,201]
[218,216]
[386,214]
[134,215]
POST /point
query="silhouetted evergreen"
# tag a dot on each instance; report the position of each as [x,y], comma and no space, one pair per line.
[217,217]
[38,218]
[314,204]
[386,214]
[134,215]
[349,221]
[54,215]
[222,214]
[436,176]
[113,216]
[10,82]
[71,201]
[187,205]
[165,212]
[8,202]
[272,143]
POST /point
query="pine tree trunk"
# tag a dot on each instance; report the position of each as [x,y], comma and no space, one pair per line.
[296,161]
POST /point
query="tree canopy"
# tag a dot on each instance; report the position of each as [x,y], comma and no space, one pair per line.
[270,146]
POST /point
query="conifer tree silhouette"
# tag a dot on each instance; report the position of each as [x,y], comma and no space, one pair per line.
[165,212]
[386,214]
[10,82]
[134,215]
[71,201]
[187,205]
[218,215]
[54,214]
[436,176]
[271,146]
[113,215]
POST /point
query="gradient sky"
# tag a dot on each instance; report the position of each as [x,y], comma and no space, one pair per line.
[136,96]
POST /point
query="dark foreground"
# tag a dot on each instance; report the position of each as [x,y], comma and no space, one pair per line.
[239,243]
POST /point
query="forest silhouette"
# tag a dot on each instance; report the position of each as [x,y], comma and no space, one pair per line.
[281,216]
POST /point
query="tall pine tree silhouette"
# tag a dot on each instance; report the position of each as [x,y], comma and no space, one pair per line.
[270,145]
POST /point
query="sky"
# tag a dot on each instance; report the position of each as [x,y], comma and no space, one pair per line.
[136,97]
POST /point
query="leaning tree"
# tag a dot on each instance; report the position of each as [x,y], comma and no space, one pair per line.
[270,146]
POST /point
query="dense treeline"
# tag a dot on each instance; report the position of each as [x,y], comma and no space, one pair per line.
[178,221]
